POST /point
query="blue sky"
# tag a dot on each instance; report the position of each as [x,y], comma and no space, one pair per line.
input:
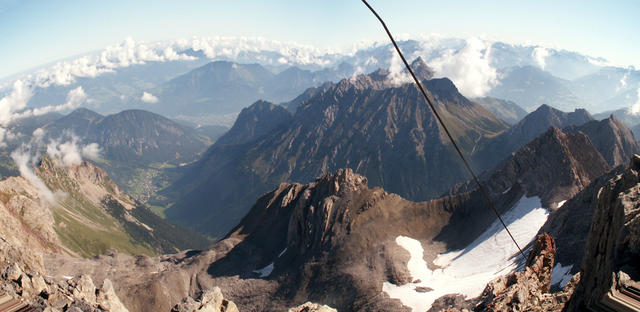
[37,32]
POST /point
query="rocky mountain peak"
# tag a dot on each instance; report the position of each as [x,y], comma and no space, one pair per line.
[254,122]
[612,138]
[571,157]
[420,68]
[341,182]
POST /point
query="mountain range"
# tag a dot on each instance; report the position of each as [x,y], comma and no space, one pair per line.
[348,195]
[342,243]
[363,123]
[527,75]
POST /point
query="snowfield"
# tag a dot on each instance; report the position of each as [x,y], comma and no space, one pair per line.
[468,271]
[561,275]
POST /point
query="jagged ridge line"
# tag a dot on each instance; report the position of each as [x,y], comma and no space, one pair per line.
[446,130]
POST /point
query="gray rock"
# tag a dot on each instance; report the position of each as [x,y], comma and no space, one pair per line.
[13,272]
[85,289]
[312,307]
[108,300]
[39,285]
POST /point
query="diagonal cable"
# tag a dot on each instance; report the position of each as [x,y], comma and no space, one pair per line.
[446,130]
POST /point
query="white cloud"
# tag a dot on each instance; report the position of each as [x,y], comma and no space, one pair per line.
[540,54]
[25,162]
[469,68]
[397,71]
[91,151]
[69,153]
[75,98]
[635,108]
[148,98]
[623,80]
[38,134]
[16,100]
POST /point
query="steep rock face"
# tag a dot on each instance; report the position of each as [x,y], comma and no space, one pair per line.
[367,123]
[254,122]
[612,251]
[612,138]
[569,224]
[492,150]
[556,165]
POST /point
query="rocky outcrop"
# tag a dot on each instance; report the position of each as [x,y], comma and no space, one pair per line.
[209,301]
[69,294]
[612,252]
[312,307]
[527,290]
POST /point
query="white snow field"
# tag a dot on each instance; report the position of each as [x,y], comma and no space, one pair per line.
[561,275]
[468,271]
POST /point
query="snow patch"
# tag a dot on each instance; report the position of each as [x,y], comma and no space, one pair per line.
[266,271]
[561,274]
[561,203]
[468,271]
[507,190]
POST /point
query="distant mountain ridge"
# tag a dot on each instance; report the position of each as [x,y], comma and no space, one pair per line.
[223,87]
[139,149]
[508,111]
[366,123]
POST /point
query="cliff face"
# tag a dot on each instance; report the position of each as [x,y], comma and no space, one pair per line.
[612,252]
[612,138]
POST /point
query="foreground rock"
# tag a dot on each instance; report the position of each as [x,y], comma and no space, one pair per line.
[312,307]
[611,264]
[44,293]
[528,290]
[209,301]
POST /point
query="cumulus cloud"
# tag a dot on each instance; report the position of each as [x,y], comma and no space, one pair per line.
[469,67]
[148,98]
[635,108]
[623,80]
[16,100]
[91,151]
[540,54]
[75,98]
[38,134]
[397,71]
[69,153]
[25,161]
